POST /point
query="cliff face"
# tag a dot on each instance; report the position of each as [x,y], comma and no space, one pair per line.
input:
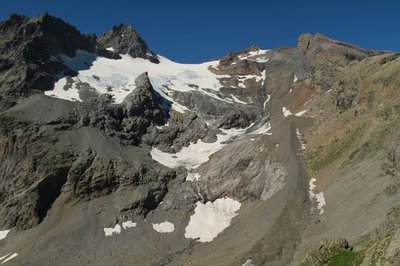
[112,154]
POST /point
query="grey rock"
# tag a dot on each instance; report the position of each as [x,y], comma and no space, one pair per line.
[125,40]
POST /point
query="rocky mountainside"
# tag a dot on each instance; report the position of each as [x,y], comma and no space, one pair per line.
[114,155]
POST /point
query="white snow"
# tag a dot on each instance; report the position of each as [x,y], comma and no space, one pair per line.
[320,202]
[109,231]
[161,127]
[193,176]
[243,78]
[110,49]
[312,186]
[295,79]
[301,113]
[258,56]
[165,227]
[300,137]
[8,257]
[211,218]
[262,60]
[3,234]
[128,224]
[195,154]
[248,262]
[318,197]
[267,100]
[286,112]
[263,129]
[237,100]
[119,76]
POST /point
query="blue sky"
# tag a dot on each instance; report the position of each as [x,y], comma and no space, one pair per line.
[195,31]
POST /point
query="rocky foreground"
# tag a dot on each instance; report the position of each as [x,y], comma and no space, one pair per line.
[114,155]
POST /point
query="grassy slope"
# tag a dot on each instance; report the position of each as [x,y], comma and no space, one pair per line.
[369,125]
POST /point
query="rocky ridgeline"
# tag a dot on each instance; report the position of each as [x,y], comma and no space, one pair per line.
[28,48]
[125,40]
[55,151]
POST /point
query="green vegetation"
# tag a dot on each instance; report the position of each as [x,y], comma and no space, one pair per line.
[321,158]
[346,258]
[365,146]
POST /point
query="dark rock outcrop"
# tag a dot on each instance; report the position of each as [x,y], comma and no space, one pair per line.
[125,40]
[328,57]
[26,50]
[44,158]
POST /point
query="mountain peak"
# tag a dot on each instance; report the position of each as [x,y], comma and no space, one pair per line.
[124,39]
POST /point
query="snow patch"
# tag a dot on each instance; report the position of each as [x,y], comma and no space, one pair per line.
[8,257]
[258,56]
[237,100]
[110,49]
[300,138]
[301,113]
[161,127]
[248,262]
[109,231]
[286,112]
[211,218]
[295,79]
[263,129]
[3,234]
[317,197]
[195,154]
[128,224]
[193,176]
[267,100]
[117,77]
[262,60]
[165,227]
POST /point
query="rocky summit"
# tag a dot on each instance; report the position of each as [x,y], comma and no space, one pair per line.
[114,155]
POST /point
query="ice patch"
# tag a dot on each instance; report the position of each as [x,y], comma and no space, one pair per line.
[211,218]
[243,78]
[161,127]
[318,197]
[8,257]
[128,224]
[263,129]
[320,202]
[267,100]
[258,56]
[195,154]
[3,234]
[248,262]
[109,231]
[165,227]
[117,77]
[193,176]
[237,100]
[300,138]
[286,112]
[301,113]
[262,60]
